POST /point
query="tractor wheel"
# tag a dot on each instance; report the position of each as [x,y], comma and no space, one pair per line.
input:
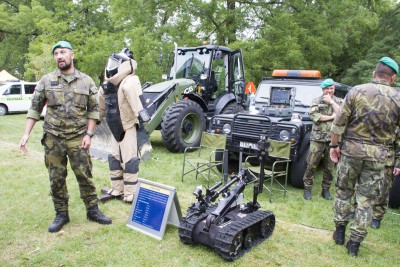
[394,194]
[298,169]
[232,108]
[182,125]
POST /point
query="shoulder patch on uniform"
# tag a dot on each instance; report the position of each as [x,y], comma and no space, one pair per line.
[94,90]
[54,83]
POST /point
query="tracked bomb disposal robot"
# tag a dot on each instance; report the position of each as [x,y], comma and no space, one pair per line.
[230,226]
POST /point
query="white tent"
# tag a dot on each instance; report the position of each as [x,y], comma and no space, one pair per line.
[5,76]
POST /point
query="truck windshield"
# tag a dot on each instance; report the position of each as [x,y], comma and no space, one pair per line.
[190,64]
[304,94]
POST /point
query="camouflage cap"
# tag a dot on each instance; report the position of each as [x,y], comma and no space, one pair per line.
[390,63]
[326,83]
[61,44]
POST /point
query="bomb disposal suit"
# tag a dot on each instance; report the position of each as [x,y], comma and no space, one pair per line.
[119,101]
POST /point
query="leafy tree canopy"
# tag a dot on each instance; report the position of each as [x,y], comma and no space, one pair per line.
[342,38]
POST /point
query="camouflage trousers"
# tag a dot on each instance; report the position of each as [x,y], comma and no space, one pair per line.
[318,151]
[57,152]
[362,178]
[380,204]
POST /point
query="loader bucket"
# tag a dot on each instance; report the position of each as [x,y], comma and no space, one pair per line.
[101,142]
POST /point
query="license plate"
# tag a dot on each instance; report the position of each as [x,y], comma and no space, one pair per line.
[248,145]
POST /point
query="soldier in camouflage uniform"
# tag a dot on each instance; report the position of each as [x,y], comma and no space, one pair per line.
[367,122]
[69,123]
[322,111]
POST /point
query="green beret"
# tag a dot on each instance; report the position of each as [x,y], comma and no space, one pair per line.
[390,63]
[326,83]
[61,44]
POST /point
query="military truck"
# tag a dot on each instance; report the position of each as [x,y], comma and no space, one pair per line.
[203,81]
[280,112]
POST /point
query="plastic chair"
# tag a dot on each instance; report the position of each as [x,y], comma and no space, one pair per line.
[202,159]
[280,168]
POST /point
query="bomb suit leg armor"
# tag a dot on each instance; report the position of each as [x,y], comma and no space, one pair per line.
[130,159]
[116,171]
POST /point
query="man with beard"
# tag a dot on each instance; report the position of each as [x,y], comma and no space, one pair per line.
[69,123]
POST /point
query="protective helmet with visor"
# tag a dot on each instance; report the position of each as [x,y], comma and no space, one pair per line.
[116,60]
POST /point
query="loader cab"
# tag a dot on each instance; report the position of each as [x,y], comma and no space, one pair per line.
[216,70]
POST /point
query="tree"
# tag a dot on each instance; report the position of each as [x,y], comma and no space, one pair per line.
[329,35]
[385,43]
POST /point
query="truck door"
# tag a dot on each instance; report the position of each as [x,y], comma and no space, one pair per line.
[237,79]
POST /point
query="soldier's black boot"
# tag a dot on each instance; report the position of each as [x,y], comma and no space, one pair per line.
[352,247]
[95,215]
[375,223]
[61,219]
[307,193]
[339,234]
[325,194]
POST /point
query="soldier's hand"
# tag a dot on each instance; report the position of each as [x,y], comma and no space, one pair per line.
[23,142]
[327,98]
[86,142]
[335,154]
[396,171]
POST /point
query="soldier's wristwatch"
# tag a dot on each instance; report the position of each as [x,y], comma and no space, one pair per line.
[90,134]
[333,146]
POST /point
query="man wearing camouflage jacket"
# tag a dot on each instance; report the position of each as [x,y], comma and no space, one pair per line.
[367,122]
[72,113]
[322,111]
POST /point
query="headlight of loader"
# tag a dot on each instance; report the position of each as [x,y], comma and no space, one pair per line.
[226,128]
[284,135]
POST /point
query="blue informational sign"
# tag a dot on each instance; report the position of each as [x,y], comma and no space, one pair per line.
[150,208]
[153,206]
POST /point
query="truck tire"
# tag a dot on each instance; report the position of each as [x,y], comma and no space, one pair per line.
[182,125]
[3,110]
[297,170]
[394,194]
[233,164]
[232,108]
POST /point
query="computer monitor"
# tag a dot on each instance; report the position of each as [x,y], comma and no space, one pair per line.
[280,95]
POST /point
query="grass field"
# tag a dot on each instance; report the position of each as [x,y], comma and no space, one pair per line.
[302,236]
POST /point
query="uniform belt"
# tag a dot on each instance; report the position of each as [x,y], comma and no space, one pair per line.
[387,143]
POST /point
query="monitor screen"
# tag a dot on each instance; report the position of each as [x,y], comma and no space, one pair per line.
[280,95]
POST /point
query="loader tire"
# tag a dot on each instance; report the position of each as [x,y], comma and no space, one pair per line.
[232,108]
[182,125]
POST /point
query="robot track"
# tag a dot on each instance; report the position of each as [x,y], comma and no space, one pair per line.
[233,240]
[187,224]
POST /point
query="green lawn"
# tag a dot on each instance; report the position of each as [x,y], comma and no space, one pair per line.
[302,236]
